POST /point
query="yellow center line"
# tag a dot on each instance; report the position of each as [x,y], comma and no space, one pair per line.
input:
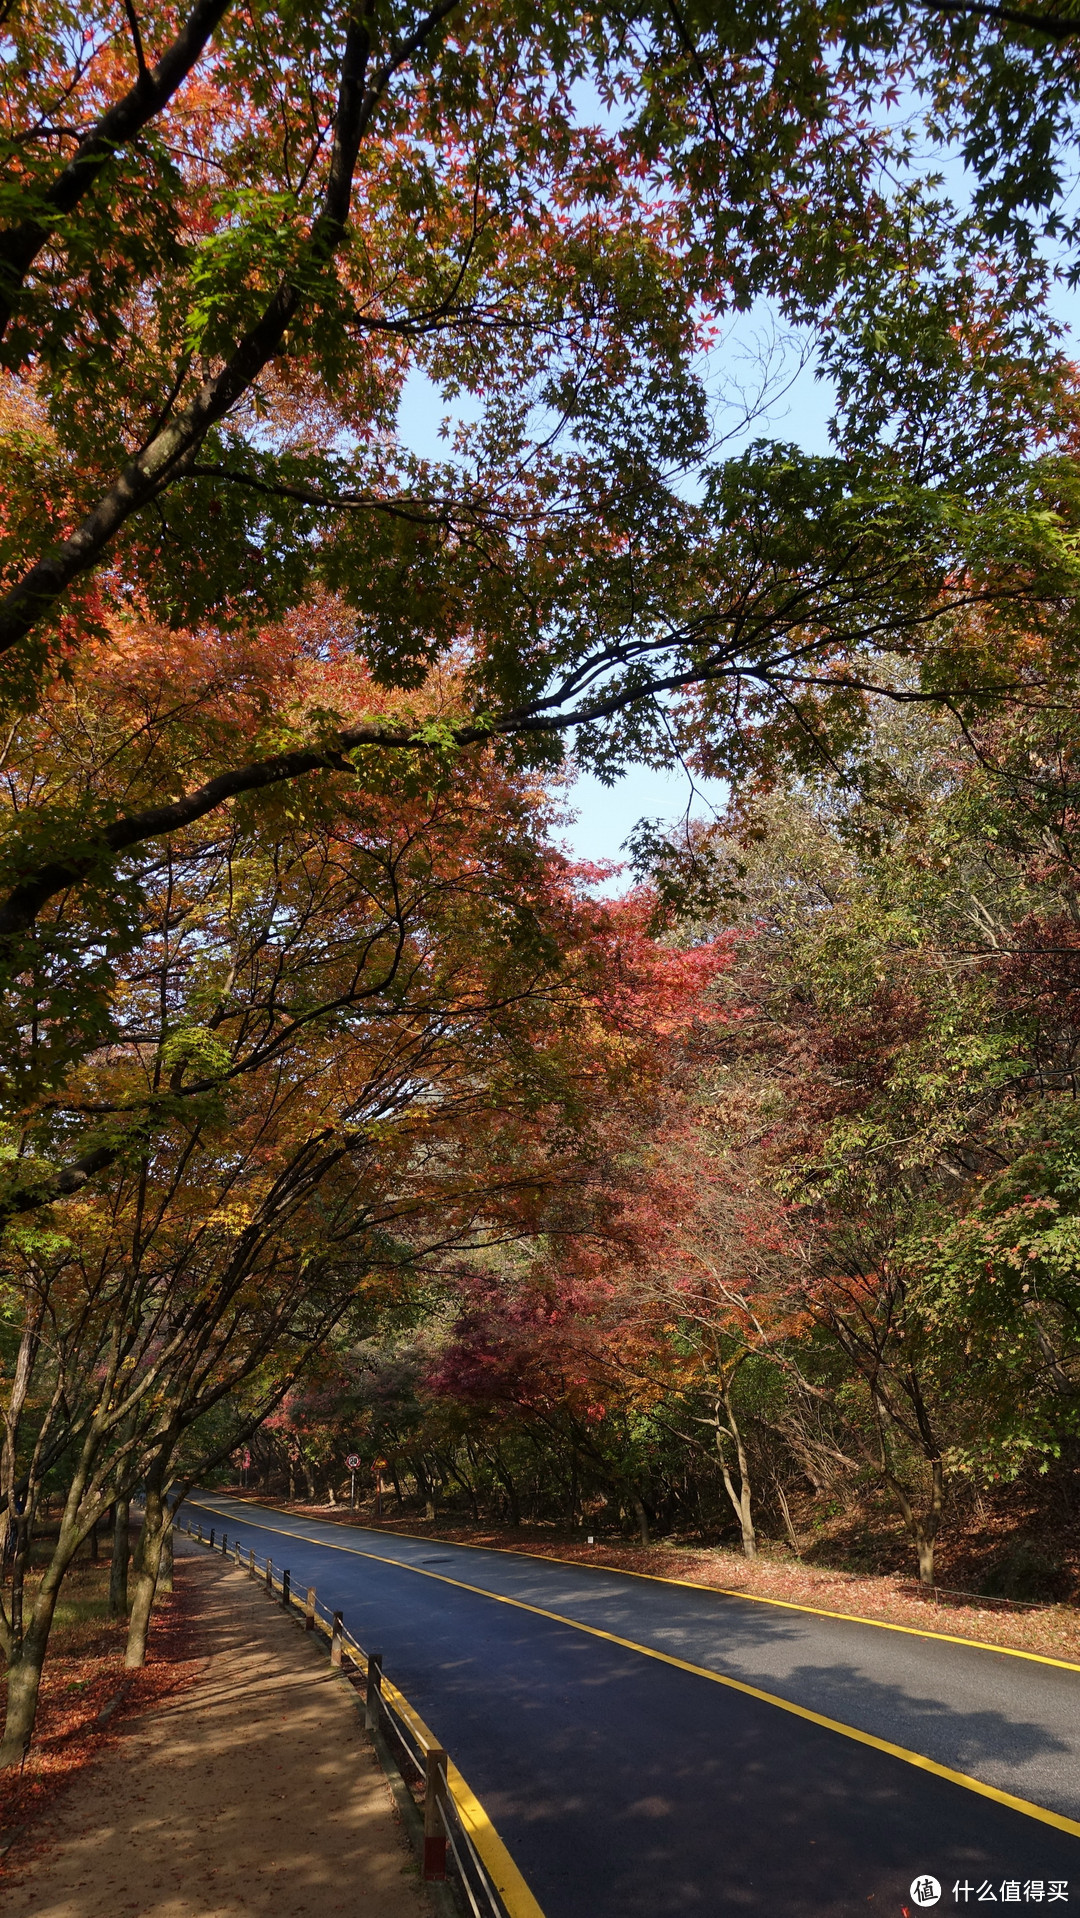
[902,1752]
[719,1591]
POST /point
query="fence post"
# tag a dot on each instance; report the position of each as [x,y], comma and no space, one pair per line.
[211,1538]
[269,1577]
[286,1596]
[236,1551]
[434,1817]
[373,1691]
[200,1531]
[335,1641]
[224,1545]
[251,1561]
[309,1610]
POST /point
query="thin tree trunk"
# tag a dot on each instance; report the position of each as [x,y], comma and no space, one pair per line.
[510,1488]
[740,1498]
[922,1528]
[642,1517]
[165,1569]
[20,1552]
[785,1509]
[425,1489]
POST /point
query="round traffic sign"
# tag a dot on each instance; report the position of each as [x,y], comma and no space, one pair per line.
[353,1462]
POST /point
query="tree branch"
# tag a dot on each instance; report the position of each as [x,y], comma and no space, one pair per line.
[168,453]
[1050,24]
[154,88]
[548,714]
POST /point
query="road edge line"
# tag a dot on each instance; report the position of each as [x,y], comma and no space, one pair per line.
[508,1881]
[504,1874]
[694,1585]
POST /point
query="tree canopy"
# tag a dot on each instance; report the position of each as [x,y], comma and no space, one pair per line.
[321,1065]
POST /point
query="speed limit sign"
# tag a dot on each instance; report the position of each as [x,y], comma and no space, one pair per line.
[353,1462]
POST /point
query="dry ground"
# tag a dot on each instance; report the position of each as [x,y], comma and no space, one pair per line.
[84,1678]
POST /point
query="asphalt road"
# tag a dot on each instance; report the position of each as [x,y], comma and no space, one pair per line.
[625,1787]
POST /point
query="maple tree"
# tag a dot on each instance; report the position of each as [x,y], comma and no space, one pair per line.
[421,190]
[835,1246]
[323,1055]
[906,1058]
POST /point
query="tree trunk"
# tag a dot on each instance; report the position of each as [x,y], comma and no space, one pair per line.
[740,1497]
[642,1517]
[510,1488]
[466,1488]
[121,1550]
[924,1547]
[19,1538]
[425,1489]
[165,1569]
[922,1528]
[146,1567]
[23,1684]
[28,1657]
[785,1509]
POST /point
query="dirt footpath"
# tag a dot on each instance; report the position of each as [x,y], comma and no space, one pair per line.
[253,1792]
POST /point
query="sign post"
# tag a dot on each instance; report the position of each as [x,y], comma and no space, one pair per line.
[380,1467]
[353,1463]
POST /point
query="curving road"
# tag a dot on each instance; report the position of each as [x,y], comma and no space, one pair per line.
[663,1774]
